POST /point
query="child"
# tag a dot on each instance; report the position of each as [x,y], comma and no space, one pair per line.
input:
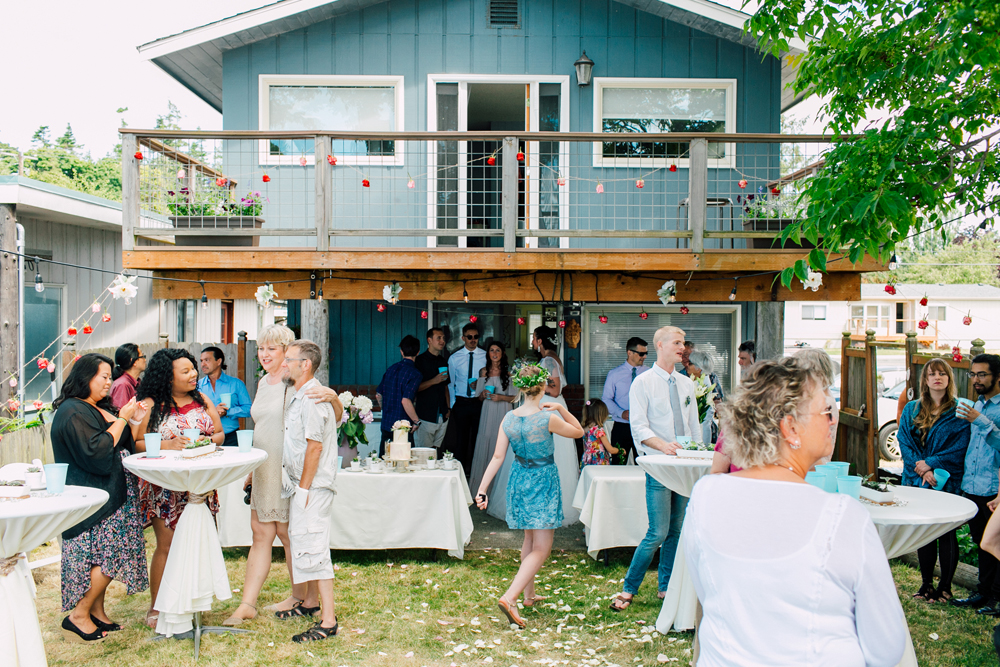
[597,447]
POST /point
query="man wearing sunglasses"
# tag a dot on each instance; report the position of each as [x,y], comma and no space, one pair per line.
[980,483]
[615,395]
[464,365]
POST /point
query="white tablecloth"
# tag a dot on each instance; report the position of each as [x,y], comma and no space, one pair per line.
[680,604]
[612,504]
[425,509]
[24,525]
[195,568]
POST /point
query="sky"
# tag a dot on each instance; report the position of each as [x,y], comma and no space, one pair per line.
[76,62]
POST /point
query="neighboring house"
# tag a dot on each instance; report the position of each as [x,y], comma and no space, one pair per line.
[331,114]
[892,316]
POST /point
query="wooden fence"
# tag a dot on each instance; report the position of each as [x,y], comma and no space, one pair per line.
[26,445]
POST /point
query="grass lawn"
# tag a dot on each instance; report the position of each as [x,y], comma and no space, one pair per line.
[400,608]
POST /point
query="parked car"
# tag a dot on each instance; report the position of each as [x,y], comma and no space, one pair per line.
[888,446]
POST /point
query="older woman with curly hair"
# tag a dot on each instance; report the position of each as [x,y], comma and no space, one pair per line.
[787,574]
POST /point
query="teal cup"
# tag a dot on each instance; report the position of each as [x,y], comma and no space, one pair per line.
[831,472]
[941,476]
[843,467]
[684,440]
[443,369]
[490,388]
[153,445]
[849,485]
[191,434]
[817,479]
[244,439]
[226,400]
[966,402]
[55,477]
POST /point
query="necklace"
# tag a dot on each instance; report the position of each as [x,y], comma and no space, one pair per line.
[784,466]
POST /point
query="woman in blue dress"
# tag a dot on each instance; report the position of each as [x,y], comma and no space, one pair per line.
[534,499]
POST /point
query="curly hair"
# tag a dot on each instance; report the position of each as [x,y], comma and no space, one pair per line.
[771,391]
[504,363]
[158,381]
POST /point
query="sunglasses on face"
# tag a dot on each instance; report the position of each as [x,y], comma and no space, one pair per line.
[471,337]
[641,354]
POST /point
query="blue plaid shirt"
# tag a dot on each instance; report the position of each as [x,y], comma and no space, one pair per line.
[982,460]
[400,381]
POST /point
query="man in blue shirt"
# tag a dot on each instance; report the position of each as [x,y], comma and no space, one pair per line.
[615,395]
[980,483]
[215,383]
[398,390]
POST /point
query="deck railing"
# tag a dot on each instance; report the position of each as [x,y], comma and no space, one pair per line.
[505,190]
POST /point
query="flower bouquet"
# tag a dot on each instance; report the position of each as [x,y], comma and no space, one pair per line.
[357,415]
[704,393]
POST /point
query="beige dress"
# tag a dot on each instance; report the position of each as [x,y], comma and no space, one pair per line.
[268,412]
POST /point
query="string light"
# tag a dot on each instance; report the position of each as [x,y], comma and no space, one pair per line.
[465,292]
[732,295]
[893,263]
[39,285]
[204,296]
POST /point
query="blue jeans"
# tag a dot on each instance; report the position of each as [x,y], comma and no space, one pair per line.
[665,510]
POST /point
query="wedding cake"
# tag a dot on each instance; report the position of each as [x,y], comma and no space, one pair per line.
[399,448]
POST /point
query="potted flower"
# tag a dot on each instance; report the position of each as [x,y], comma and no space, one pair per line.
[355,464]
[14,488]
[375,465]
[771,212]
[448,461]
[357,415]
[213,209]
[33,477]
[876,491]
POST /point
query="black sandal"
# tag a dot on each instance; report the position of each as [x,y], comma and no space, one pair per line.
[295,612]
[940,595]
[926,593]
[317,633]
[74,634]
[107,627]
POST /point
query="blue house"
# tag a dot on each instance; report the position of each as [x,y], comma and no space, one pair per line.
[470,151]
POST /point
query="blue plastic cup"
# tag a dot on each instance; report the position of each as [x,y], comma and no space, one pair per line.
[153,441]
[490,388]
[941,476]
[244,439]
[831,472]
[191,434]
[849,485]
[966,402]
[443,369]
[843,467]
[817,479]
[55,477]
[226,400]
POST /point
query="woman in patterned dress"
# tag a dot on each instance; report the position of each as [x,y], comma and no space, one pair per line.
[534,499]
[169,392]
[90,436]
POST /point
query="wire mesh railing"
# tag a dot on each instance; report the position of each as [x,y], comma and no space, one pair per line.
[502,190]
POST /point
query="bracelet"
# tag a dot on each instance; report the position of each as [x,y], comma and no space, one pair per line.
[122,418]
[135,422]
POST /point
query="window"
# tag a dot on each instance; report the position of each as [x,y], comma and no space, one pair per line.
[629,105]
[346,103]
[185,321]
[43,322]
[814,312]
[939,313]
[503,13]
[857,312]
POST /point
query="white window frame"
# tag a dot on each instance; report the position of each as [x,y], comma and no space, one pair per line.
[265,81]
[600,83]
[939,310]
[813,318]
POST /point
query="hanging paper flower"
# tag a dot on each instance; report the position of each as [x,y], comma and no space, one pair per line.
[521,321]
[643,315]
[365,183]
[562,324]
[922,324]
[640,183]
[51,368]
[423,314]
[775,191]
[956,354]
[667,293]
[520,156]
[673,167]
[13,382]
[391,292]
[95,307]
[266,178]
[473,319]
[332,159]
[410,184]
[923,301]
[265,294]
[685,310]
[181,174]
[13,404]
[37,405]
[742,183]
[890,288]
[76,358]
[123,287]
[71,331]
[303,161]
[561,181]
[967,320]
[603,319]
[138,155]
[221,181]
[491,160]
[106,317]
[814,281]
[42,363]
[600,188]
[380,308]
[87,329]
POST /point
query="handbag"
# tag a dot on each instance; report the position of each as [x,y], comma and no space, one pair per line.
[248,488]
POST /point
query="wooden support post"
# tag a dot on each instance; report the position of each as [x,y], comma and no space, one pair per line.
[840,448]
[9,300]
[871,404]
[130,191]
[324,201]
[978,347]
[316,327]
[508,196]
[912,376]
[770,337]
[698,194]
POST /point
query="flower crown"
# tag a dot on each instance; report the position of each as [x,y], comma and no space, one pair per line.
[537,377]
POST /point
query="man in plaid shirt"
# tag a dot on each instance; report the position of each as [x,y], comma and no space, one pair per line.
[398,390]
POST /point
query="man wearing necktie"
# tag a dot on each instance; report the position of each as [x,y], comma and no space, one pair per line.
[662,406]
[463,370]
[615,396]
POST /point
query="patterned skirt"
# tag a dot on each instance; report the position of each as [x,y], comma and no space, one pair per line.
[160,503]
[116,545]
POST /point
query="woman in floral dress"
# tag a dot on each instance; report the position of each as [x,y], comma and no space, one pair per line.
[169,392]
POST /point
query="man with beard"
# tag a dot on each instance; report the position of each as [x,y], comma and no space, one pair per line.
[980,483]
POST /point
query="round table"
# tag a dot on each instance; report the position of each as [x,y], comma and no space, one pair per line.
[24,525]
[195,568]
[679,474]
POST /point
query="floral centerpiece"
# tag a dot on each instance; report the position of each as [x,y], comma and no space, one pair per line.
[704,393]
[357,415]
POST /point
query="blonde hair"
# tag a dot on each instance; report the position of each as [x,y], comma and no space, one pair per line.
[275,334]
[771,391]
[928,413]
[525,378]
[818,361]
[595,413]
[662,333]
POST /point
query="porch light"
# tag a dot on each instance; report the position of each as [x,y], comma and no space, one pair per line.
[584,68]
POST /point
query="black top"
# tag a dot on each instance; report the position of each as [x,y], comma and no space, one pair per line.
[80,438]
[432,401]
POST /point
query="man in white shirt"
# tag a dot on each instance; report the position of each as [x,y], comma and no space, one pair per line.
[464,365]
[662,407]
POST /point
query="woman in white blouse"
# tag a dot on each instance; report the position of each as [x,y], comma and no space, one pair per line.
[787,573]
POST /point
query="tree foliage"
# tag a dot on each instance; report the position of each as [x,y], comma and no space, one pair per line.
[965,260]
[930,72]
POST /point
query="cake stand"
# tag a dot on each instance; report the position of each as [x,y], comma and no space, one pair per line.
[401,465]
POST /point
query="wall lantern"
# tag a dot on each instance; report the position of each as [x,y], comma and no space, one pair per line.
[584,68]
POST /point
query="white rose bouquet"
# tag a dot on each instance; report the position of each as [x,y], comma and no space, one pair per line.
[357,414]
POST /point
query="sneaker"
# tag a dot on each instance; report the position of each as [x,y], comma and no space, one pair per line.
[975,600]
[991,608]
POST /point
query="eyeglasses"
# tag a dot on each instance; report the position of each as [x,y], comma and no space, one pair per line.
[978,376]
[829,414]
[295,359]
[641,354]
[141,356]
[471,337]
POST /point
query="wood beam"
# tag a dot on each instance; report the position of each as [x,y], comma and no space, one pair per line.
[166,258]
[609,287]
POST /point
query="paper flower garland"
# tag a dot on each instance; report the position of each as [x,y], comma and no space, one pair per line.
[380,308]
[71,331]
[522,321]
[303,161]
[391,293]
[332,159]
[967,320]
[95,307]
[685,310]
[813,282]
[923,300]
[603,318]
[423,314]
[265,294]
[922,324]
[956,354]
[123,287]
[640,183]
[667,292]
[742,184]
[87,329]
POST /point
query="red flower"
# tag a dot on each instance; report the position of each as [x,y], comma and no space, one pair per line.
[922,324]
[603,319]
[106,317]
[71,331]
[967,320]
[473,318]
[76,358]
[42,363]
[673,167]
[331,159]
[87,329]
[266,178]
[38,405]
[51,368]
[643,315]
[221,181]
[685,310]
[522,321]
[365,183]
[640,183]
[380,308]
[491,160]
[423,314]
[13,404]
[923,301]
[138,155]
[891,289]
[775,191]
[520,156]
[562,324]
[742,183]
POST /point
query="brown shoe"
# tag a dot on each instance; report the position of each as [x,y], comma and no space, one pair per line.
[510,611]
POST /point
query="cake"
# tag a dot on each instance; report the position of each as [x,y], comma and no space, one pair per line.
[399,448]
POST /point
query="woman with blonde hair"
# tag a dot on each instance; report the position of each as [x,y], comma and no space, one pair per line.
[787,574]
[534,499]
[268,510]
[932,437]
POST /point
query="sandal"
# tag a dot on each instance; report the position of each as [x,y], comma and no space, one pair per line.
[235,621]
[107,627]
[940,595]
[295,612]
[274,607]
[925,593]
[510,611]
[619,603]
[317,633]
[74,634]
[152,616]
[530,602]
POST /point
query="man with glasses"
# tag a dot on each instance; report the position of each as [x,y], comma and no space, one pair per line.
[463,371]
[615,396]
[980,482]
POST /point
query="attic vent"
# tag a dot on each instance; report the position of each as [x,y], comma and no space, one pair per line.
[504,13]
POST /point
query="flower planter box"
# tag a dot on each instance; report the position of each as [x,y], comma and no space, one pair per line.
[198,451]
[695,454]
[210,223]
[14,491]
[881,497]
[771,225]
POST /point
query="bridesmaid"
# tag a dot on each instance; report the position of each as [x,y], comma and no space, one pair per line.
[534,499]
[497,404]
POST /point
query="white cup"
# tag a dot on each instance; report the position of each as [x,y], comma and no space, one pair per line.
[152,441]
